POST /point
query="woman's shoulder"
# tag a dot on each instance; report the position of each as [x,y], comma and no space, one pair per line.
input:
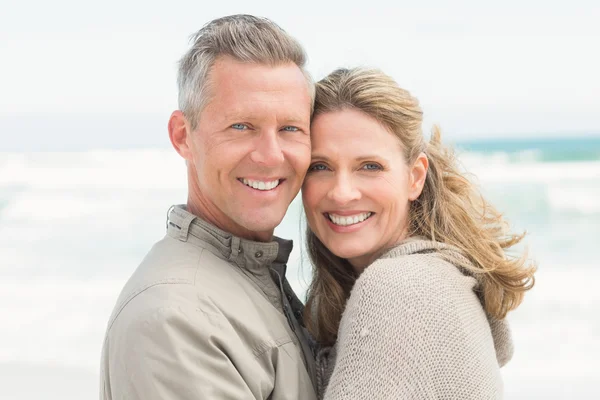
[422,273]
[416,289]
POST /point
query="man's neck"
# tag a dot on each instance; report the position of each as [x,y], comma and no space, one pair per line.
[224,223]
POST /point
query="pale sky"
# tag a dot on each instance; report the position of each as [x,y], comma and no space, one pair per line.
[479,68]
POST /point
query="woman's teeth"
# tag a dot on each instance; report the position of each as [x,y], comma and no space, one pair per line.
[260,185]
[350,220]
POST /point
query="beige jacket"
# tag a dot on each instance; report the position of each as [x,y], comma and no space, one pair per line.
[414,328]
[203,317]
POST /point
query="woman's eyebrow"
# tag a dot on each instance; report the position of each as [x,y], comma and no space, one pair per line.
[368,157]
[317,156]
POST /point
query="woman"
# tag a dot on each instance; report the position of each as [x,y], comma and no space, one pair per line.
[411,280]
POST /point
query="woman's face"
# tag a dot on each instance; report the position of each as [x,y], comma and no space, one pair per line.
[358,188]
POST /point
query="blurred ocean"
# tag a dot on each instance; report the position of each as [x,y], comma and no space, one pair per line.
[74,225]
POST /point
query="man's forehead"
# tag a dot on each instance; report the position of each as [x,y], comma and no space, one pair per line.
[230,74]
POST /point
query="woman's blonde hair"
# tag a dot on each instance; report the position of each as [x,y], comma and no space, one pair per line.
[450,209]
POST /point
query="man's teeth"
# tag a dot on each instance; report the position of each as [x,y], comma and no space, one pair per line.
[351,220]
[260,185]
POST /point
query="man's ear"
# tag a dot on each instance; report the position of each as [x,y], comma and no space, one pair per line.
[418,173]
[179,134]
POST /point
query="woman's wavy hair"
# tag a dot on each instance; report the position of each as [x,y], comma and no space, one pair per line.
[450,209]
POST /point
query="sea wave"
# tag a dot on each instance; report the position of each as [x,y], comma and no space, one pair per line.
[581,199]
[500,169]
[165,169]
[73,227]
[133,169]
[50,186]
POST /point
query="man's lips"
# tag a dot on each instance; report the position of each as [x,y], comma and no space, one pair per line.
[262,184]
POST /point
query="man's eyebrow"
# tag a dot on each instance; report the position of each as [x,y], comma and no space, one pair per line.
[295,120]
[238,116]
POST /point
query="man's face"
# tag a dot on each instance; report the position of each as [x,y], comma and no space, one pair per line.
[251,148]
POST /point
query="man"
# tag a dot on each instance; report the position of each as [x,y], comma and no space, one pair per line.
[209,314]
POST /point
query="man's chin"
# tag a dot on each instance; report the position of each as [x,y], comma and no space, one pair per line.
[261,224]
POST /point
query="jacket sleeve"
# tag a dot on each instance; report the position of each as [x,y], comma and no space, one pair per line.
[414,332]
[170,353]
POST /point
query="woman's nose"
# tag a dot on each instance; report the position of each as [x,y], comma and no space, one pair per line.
[344,190]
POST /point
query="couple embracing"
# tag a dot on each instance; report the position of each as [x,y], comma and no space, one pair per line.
[411,280]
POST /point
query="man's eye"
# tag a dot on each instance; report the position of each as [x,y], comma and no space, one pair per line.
[372,167]
[239,127]
[290,129]
[317,167]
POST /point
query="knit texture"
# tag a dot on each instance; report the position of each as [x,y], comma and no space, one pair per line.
[414,328]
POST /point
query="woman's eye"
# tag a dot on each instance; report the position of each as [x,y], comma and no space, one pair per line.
[317,167]
[290,128]
[371,167]
[239,127]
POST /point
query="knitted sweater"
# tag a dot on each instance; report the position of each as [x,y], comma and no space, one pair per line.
[414,328]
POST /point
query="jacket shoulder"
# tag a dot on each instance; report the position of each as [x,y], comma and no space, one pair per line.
[167,275]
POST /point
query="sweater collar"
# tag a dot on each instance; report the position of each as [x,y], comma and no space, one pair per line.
[421,245]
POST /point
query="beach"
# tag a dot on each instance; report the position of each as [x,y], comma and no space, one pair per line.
[74,225]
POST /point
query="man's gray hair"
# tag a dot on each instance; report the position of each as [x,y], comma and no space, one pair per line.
[245,38]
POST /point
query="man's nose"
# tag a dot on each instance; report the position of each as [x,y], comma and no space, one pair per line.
[268,151]
[344,190]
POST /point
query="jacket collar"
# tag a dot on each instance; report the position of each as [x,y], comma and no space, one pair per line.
[248,254]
